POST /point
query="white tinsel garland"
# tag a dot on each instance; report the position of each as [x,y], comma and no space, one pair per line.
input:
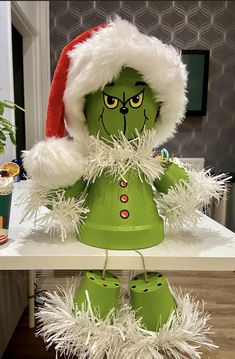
[79,333]
[182,204]
[119,155]
[83,335]
[184,334]
[64,216]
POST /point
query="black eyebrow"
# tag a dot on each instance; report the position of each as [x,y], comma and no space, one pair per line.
[140,83]
[110,84]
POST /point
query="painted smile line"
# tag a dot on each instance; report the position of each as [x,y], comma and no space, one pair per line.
[102,120]
[145,120]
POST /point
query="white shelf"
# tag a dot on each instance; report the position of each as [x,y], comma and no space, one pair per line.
[211,247]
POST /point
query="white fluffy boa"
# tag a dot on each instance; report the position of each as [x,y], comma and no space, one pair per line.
[81,333]
[61,162]
[58,163]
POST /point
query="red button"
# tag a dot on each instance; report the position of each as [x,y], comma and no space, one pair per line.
[123,183]
[124,214]
[124,198]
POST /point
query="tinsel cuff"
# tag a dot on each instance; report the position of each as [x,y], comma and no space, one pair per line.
[183,204]
[60,216]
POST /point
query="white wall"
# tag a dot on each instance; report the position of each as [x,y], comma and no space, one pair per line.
[6,71]
[31,18]
[29,10]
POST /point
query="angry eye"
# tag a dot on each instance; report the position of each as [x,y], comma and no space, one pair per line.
[136,101]
[110,101]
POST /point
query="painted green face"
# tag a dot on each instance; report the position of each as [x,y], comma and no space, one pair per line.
[125,105]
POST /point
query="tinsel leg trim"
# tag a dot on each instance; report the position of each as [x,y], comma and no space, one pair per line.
[182,336]
[81,333]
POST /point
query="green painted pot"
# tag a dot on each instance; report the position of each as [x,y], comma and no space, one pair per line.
[5,209]
[103,292]
[122,215]
[152,301]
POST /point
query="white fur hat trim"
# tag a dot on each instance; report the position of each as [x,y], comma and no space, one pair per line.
[99,59]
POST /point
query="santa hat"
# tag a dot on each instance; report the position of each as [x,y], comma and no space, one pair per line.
[96,57]
[87,64]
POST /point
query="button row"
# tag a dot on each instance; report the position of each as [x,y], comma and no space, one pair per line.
[124,213]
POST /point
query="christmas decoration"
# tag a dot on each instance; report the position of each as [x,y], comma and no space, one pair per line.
[119,94]
[82,333]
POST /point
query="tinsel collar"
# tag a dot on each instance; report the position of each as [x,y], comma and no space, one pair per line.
[117,156]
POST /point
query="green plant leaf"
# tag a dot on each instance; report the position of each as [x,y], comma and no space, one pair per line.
[12,137]
[5,122]
[1,147]
[1,108]
[12,105]
[6,127]
[9,105]
[7,130]
[2,136]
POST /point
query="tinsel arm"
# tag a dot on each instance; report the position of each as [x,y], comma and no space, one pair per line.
[65,212]
[171,176]
[182,202]
[56,168]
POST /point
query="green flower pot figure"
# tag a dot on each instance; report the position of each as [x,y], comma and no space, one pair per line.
[123,213]
[119,95]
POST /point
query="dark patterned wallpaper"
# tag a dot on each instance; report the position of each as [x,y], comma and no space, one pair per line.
[186,25]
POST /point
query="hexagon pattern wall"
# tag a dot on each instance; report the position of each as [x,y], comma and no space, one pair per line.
[186,25]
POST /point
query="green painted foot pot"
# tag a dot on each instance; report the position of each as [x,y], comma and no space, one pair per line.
[152,301]
[5,209]
[103,292]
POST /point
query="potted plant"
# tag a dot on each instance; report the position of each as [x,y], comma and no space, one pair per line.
[7,170]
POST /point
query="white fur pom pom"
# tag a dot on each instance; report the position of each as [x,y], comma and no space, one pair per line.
[183,203]
[55,163]
[81,333]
